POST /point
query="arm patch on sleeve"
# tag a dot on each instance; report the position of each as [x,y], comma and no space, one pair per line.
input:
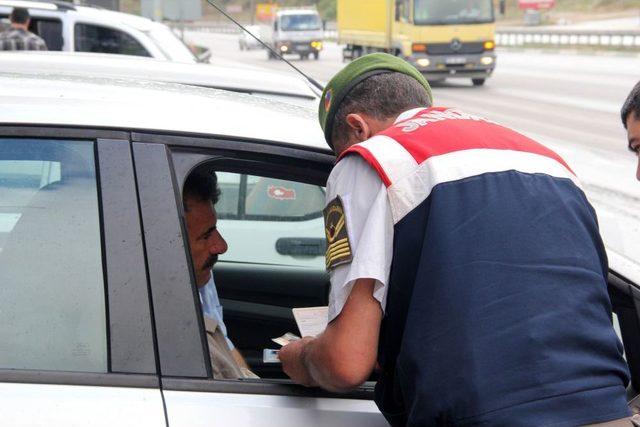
[335,227]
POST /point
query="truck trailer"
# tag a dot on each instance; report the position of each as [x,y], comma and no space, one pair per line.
[441,38]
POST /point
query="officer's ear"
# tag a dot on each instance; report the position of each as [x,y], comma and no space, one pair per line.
[359,127]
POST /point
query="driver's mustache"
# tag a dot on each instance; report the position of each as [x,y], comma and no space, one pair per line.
[210,261]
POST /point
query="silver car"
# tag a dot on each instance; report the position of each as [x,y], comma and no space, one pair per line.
[100,323]
[246,41]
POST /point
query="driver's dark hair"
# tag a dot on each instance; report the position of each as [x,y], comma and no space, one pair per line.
[201,186]
[631,105]
[19,15]
[381,96]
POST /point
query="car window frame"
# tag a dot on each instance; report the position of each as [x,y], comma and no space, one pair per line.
[239,168]
[143,43]
[625,301]
[131,353]
[36,19]
[182,154]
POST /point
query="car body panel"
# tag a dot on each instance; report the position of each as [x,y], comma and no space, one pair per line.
[282,86]
[74,101]
[44,405]
[195,409]
[621,264]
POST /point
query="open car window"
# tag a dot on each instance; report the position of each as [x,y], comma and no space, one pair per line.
[274,231]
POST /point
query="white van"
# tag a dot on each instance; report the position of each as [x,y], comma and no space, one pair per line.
[295,31]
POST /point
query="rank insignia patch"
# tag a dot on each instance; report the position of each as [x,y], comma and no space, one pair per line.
[338,246]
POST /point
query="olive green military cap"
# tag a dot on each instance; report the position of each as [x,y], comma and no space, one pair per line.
[356,72]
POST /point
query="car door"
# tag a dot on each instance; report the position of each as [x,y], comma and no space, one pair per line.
[260,294]
[624,290]
[76,338]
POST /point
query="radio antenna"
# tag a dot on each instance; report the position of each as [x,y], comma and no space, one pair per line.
[309,79]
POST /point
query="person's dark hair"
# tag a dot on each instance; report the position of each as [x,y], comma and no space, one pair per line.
[19,15]
[381,96]
[631,105]
[201,186]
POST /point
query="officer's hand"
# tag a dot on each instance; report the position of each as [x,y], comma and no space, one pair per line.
[291,356]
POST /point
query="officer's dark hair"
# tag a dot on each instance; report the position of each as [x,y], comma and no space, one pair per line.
[631,105]
[201,186]
[19,15]
[381,96]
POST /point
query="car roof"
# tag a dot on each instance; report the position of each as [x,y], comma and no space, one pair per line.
[43,5]
[236,78]
[118,103]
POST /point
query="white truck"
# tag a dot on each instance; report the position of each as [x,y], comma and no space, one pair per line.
[294,31]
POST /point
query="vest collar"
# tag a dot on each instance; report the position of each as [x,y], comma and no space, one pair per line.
[408,114]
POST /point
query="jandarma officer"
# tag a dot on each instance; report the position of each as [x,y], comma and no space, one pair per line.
[464,259]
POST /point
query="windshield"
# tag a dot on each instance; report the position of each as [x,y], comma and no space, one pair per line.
[170,45]
[439,12]
[302,22]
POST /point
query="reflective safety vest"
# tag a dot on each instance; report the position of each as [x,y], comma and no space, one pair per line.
[497,310]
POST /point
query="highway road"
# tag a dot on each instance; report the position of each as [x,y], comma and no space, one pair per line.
[567,101]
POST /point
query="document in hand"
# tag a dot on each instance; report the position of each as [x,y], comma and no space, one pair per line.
[311,320]
[285,339]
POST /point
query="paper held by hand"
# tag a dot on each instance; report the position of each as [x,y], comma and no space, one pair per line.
[311,320]
[285,339]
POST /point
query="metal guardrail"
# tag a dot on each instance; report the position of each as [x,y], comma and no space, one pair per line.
[569,38]
[228,28]
[210,27]
[520,37]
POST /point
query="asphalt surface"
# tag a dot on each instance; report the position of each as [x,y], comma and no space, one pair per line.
[568,101]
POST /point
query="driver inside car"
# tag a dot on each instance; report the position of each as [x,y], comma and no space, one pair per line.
[200,194]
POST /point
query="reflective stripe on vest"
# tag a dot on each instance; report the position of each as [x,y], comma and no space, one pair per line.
[439,145]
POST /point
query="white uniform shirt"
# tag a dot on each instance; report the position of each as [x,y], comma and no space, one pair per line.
[212,308]
[369,227]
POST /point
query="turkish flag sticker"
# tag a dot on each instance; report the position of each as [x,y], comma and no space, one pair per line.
[281,193]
